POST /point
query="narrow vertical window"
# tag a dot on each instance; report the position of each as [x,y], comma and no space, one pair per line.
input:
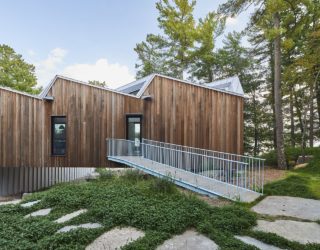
[58,132]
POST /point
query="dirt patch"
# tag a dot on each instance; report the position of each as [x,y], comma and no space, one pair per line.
[272,174]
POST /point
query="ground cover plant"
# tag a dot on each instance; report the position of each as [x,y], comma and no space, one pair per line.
[149,204]
[301,182]
[155,206]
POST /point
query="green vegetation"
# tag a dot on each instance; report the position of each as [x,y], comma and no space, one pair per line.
[15,72]
[291,154]
[302,182]
[152,205]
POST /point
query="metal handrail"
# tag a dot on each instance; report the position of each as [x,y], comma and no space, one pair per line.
[243,174]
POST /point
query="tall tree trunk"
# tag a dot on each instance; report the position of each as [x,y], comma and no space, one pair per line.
[277,95]
[317,90]
[272,95]
[292,128]
[311,118]
[255,149]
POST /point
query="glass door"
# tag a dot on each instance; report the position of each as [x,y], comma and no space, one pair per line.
[134,128]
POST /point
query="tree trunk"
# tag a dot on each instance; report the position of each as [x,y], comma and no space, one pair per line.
[292,128]
[277,95]
[311,123]
[317,90]
[271,49]
[255,149]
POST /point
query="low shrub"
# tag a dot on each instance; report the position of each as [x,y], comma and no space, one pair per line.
[291,154]
[163,185]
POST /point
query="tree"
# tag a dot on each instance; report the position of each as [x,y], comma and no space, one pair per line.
[208,29]
[15,73]
[152,55]
[172,52]
[98,83]
[268,13]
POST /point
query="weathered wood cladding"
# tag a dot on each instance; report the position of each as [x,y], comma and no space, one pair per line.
[190,115]
[21,142]
[177,113]
[93,114]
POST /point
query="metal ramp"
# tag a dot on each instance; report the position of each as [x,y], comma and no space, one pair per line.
[234,177]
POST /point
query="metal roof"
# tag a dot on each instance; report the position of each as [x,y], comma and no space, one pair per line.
[231,84]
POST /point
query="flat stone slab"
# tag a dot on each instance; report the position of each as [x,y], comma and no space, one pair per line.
[258,244]
[13,202]
[30,204]
[41,212]
[190,240]
[301,208]
[302,232]
[85,226]
[115,239]
[70,216]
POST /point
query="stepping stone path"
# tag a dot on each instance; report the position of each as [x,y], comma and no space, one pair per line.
[70,216]
[85,226]
[258,244]
[302,232]
[30,204]
[13,202]
[115,239]
[41,212]
[189,240]
[301,208]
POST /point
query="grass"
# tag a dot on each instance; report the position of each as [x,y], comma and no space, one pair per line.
[303,182]
[155,206]
[152,205]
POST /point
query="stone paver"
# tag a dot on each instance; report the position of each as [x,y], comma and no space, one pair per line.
[189,240]
[302,232]
[13,202]
[85,226]
[41,212]
[70,216]
[30,204]
[301,208]
[258,244]
[115,239]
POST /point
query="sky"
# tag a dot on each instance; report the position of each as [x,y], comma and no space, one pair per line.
[87,40]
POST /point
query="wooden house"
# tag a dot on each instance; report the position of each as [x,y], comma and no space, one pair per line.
[68,123]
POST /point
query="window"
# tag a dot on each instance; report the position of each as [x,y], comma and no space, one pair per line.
[58,133]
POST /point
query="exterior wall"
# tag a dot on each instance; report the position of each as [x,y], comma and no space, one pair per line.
[190,115]
[93,115]
[21,130]
[178,113]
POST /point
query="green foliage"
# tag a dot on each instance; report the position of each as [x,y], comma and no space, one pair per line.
[98,83]
[151,205]
[163,185]
[302,182]
[105,174]
[292,154]
[15,72]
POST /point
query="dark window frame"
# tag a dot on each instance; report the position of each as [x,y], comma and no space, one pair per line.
[52,135]
[127,124]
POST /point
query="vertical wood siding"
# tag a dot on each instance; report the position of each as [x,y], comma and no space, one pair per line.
[178,113]
[189,115]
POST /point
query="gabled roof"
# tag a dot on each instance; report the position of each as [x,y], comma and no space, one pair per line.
[49,86]
[20,93]
[231,84]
